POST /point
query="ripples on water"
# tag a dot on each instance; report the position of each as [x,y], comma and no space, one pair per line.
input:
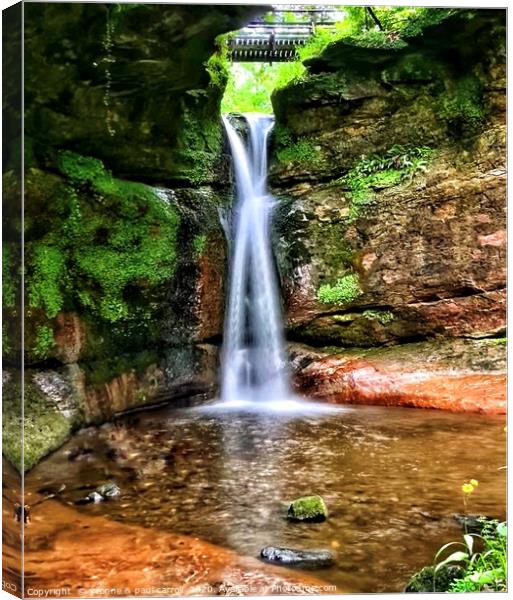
[391,479]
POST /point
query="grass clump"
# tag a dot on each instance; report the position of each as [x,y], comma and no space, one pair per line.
[483,569]
[345,290]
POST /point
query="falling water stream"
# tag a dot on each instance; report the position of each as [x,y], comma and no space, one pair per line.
[253,362]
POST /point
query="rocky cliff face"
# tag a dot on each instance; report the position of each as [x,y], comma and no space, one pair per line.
[390,167]
[125,177]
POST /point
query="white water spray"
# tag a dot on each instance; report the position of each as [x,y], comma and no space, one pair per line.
[254,367]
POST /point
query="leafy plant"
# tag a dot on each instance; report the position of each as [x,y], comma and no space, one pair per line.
[379,171]
[486,569]
[345,290]
[44,341]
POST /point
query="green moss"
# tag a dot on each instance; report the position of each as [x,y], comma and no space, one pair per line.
[45,283]
[382,171]
[44,427]
[426,580]
[345,290]
[218,64]
[382,316]
[200,144]
[44,341]
[110,241]
[293,149]
[81,169]
[308,508]
[462,104]
[376,39]
[424,18]
[198,243]
[9,283]
[103,371]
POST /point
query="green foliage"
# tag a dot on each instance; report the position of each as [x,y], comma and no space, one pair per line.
[377,39]
[44,286]
[426,580]
[484,570]
[201,142]
[81,169]
[345,290]
[382,171]
[293,149]
[302,151]
[462,105]
[198,243]
[44,341]
[8,280]
[382,316]
[412,23]
[44,427]
[112,236]
[250,85]
[217,64]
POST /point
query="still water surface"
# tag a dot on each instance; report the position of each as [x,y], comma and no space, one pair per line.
[391,478]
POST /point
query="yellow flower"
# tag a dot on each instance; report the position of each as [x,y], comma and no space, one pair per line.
[467,488]
[474,482]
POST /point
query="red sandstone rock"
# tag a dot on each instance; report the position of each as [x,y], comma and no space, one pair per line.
[415,376]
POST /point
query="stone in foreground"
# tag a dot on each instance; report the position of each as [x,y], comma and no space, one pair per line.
[426,580]
[308,508]
[302,558]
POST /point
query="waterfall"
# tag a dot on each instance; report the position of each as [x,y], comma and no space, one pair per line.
[254,367]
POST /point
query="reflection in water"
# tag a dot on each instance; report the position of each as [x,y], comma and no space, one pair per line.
[391,479]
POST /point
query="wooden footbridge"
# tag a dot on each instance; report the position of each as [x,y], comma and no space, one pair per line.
[277,37]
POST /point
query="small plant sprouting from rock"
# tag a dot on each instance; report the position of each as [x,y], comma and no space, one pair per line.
[199,242]
[381,316]
[345,290]
[380,171]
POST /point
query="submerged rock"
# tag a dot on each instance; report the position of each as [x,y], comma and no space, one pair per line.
[426,580]
[471,523]
[109,490]
[290,556]
[101,494]
[308,508]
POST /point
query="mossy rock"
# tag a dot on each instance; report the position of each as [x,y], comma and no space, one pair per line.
[308,508]
[45,425]
[426,580]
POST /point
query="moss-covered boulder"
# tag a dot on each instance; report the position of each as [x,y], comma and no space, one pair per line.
[427,580]
[308,508]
